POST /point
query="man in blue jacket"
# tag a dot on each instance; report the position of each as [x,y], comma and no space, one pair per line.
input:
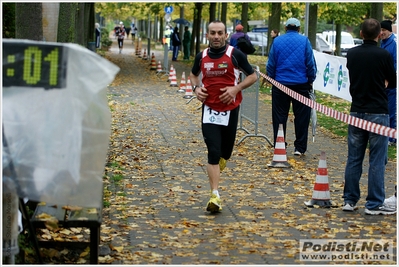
[388,42]
[291,62]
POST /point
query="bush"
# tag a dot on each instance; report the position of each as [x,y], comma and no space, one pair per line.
[105,41]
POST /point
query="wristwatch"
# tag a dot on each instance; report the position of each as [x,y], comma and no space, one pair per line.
[195,87]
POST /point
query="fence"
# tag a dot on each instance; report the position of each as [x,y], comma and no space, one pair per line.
[249,109]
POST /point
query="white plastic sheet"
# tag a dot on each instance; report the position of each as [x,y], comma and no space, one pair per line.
[58,138]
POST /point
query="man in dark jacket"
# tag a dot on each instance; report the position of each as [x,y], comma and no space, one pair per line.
[291,63]
[239,33]
[176,43]
[371,70]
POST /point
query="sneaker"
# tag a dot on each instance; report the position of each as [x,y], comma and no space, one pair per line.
[222,164]
[214,204]
[382,210]
[349,207]
[297,153]
[391,201]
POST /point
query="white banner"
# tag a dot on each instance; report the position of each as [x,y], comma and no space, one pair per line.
[332,75]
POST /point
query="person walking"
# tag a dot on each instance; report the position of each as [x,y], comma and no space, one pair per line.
[388,42]
[186,43]
[176,43]
[239,33]
[120,33]
[371,70]
[291,62]
[133,32]
[220,94]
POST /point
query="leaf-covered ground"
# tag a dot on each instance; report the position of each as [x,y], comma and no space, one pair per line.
[156,188]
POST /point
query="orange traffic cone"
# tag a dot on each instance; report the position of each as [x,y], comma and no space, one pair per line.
[321,190]
[145,55]
[189,89]
[173,79]
[280,154]
[159,67]
[182,83]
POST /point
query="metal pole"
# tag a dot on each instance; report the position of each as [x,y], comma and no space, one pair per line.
[307,19]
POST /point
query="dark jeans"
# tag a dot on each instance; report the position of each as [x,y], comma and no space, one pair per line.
[391,93]
[358,142]
[281,103]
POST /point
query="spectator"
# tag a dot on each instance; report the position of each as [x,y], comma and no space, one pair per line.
[370,70]
[220,93]
[176,43]
[388,42]
[98,35]
[274,33]
[186,43]
[239,33]
[291,62]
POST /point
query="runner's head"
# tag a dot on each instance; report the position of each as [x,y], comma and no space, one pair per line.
[216,34]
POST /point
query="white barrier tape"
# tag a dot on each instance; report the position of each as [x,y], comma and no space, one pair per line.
[348,119]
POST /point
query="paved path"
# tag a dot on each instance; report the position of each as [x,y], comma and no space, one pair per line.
[157,211]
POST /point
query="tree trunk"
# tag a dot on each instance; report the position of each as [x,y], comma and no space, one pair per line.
[8,20]
[312,30]
[274,22]
[66,23]
[29,21]
[223,15]
[244,16]
[338,29]
[212,12]
[198,27]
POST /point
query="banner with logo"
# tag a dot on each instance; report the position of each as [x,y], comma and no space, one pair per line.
[332,75]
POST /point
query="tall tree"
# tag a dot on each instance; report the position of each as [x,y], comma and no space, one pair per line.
[212,12]
[223,15]
[244,16]
[28,21]
[274,22]
[197,25]
[312,30]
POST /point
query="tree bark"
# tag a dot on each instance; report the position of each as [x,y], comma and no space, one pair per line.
[244,16]
[28,21]
[312,24]
[274,22]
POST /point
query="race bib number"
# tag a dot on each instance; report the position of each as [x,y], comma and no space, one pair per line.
[215,117]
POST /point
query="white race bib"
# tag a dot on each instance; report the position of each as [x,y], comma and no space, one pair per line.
[215,117]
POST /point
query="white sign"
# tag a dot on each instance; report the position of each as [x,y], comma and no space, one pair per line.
[255,22]
[332,75]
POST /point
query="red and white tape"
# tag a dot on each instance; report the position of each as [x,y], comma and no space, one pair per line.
[348,119]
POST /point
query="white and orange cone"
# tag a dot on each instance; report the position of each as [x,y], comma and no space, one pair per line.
[137,49]
[182,83]
[189,89]
[173,79]
[321,190]
[170,73]
[153,63]
[280,153]
[159,67]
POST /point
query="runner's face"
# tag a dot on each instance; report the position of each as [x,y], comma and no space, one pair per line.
[216,35]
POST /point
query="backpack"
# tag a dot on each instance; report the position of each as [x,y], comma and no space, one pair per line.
[245,45]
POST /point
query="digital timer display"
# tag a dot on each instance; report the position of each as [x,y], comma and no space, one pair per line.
[34,65]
